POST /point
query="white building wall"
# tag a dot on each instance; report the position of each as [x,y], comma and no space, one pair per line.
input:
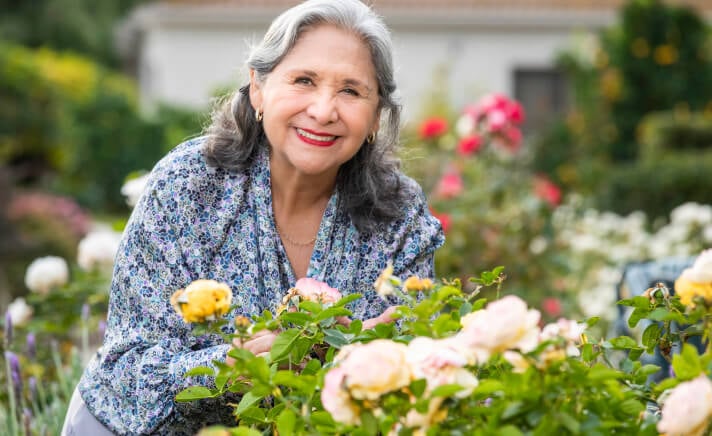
[184,62]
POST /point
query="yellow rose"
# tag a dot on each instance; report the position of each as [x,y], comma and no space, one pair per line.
[416,284]
[202,300]
[688,290]
[696,281]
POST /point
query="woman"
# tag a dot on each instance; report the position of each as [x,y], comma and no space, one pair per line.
[296,177]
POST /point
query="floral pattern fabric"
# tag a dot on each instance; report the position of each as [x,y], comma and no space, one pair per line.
[199,222]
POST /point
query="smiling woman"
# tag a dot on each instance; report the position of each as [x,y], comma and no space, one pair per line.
[296,177]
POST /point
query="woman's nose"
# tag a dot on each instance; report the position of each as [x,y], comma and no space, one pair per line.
[322,108]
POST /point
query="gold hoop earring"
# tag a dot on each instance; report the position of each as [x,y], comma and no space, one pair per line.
[258,115]
[371,138]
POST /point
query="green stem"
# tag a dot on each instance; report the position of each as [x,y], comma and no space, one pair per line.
[11,396]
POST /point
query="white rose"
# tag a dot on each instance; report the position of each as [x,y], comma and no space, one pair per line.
[98,249]
[688,408]
[46,273]
[20,312]
[701,270]
[133,189]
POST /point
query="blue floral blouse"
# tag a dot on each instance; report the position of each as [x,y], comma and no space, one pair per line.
[195,221]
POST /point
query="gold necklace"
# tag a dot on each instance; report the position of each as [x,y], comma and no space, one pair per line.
[292,241]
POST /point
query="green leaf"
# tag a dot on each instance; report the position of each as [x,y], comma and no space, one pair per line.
[199,370]
[336,338]
[257,366]
[322,418]
[637,315]
[651,336]
[623,343]
[248,400]
[587,352]
[635,353]
[446,390]
[331,312]
[310,306]
[489,386]
[593,321]
[244,431]
[195,393]
[509,430]
[284,343]
[417,387]
[569,422]
[479,304]
[647,370]
[347,299]
[298,318]
[600,372]
[286,422]
[355,327]
[631,407]
[687,364]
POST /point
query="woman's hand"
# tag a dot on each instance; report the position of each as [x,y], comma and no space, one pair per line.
[385,317]
[258,344]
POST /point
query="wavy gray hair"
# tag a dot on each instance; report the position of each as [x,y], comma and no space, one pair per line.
[369,185]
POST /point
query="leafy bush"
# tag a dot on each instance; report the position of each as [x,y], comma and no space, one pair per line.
[67,123]
[658,186]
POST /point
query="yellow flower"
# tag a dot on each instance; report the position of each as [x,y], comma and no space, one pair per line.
[688,290]
[696,281]
[202,300]
[665,54]
[416,284]
[385,283]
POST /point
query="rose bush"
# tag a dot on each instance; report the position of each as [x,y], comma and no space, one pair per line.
[455,363]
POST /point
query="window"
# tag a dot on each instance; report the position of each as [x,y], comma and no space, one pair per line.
[544,95]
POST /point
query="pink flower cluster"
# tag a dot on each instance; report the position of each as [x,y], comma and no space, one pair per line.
[53,208]
[494,115]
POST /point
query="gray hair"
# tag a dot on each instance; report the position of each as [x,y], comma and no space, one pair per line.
[369,185]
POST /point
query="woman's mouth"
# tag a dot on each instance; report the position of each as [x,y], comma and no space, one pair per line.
[314,138]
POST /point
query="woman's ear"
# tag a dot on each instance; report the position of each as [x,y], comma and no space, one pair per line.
[376,122]
[255,91]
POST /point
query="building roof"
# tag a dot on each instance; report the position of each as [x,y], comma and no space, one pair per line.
[453,4]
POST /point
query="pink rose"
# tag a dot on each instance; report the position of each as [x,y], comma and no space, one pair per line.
[373,369]
[469,145]
[450,185]
[505,324]
[314,290]
[688,409]
[546,190]
[440,362]
[336,400]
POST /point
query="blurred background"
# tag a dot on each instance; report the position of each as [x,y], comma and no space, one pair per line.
[567,140]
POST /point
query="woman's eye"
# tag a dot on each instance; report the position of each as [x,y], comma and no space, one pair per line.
[303,81]
[351,91]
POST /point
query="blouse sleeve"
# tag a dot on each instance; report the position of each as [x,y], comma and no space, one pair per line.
[417,236]
[148,348]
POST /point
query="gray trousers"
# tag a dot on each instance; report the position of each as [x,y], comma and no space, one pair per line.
[79,420]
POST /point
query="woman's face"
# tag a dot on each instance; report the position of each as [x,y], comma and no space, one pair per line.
[319,103]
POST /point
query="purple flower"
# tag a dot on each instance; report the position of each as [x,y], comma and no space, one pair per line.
[32,383]
[85,312]
[31,346]
[14,369]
